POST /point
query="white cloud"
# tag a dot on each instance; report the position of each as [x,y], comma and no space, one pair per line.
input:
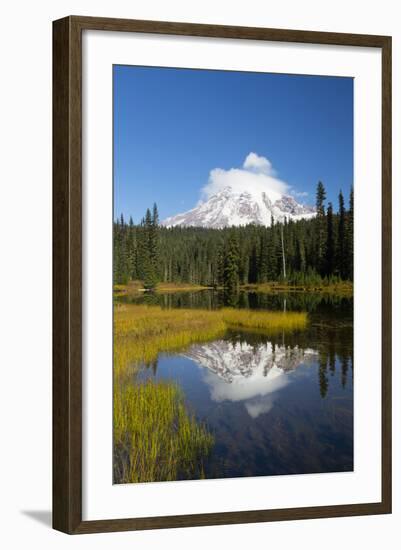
[258,406]
[255,176]
[243,389]
[258,164]
[299,193]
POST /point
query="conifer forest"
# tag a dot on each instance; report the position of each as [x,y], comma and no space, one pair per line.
[303,252]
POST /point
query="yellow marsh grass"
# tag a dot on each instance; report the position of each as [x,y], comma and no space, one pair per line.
[155,439]
[266,320]
[141,332]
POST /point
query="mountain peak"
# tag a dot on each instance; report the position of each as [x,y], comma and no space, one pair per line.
[234,207]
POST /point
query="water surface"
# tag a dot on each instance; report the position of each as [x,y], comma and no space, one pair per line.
[279,403]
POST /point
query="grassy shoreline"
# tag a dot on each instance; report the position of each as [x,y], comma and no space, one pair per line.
[156,437]
[135,288]
[343,288]
[142,331]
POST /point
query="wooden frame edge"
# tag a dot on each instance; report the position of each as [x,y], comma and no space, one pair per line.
[226,31]
[67,275]
[386,273]
[228,518]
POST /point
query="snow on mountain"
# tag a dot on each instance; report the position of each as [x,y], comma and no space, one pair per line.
[239,361]
[230,207]
[249,373]
[241,196]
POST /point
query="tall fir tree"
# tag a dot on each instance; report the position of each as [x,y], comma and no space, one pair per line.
[154,239]
[341,244]
[231,278]
[263,263]
[131,249]
[220,263]
[278,251]
[116,252]
[272,247]
[120,263]
[300,252]
[320,228]
[150,249]
[330,244]
[350,237]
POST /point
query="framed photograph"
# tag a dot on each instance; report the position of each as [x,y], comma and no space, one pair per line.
[222,274]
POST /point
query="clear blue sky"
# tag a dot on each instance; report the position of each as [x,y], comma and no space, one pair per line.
[172,126]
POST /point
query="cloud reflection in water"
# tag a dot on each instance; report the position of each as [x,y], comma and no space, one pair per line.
[238,371]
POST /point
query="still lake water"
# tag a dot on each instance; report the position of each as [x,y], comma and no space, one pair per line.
[279,403]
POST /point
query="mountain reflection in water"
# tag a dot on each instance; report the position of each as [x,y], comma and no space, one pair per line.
[248,373]
[276,404]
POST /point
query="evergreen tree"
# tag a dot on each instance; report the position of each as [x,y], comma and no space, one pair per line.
[283,247]
[341,246]
[320,198]
[350,237]
[120,264]
[154,240]
[300,254]
[253,265]
[116,252]
[149,274]
[272,247]
[155,216]
[263,263]
[231,279]
[131,249]
[149,249]
[278,251]
[230,257]
[141,250]
[330,245]
[320,228]
[220,264]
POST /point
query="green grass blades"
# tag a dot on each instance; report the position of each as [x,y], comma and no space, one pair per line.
[141,332]
[270,321]
[155,438]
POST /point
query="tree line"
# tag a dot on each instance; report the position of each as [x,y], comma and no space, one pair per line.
[314,251]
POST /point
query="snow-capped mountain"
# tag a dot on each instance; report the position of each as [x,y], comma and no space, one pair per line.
[230,207]
[237,371]
[240,361]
